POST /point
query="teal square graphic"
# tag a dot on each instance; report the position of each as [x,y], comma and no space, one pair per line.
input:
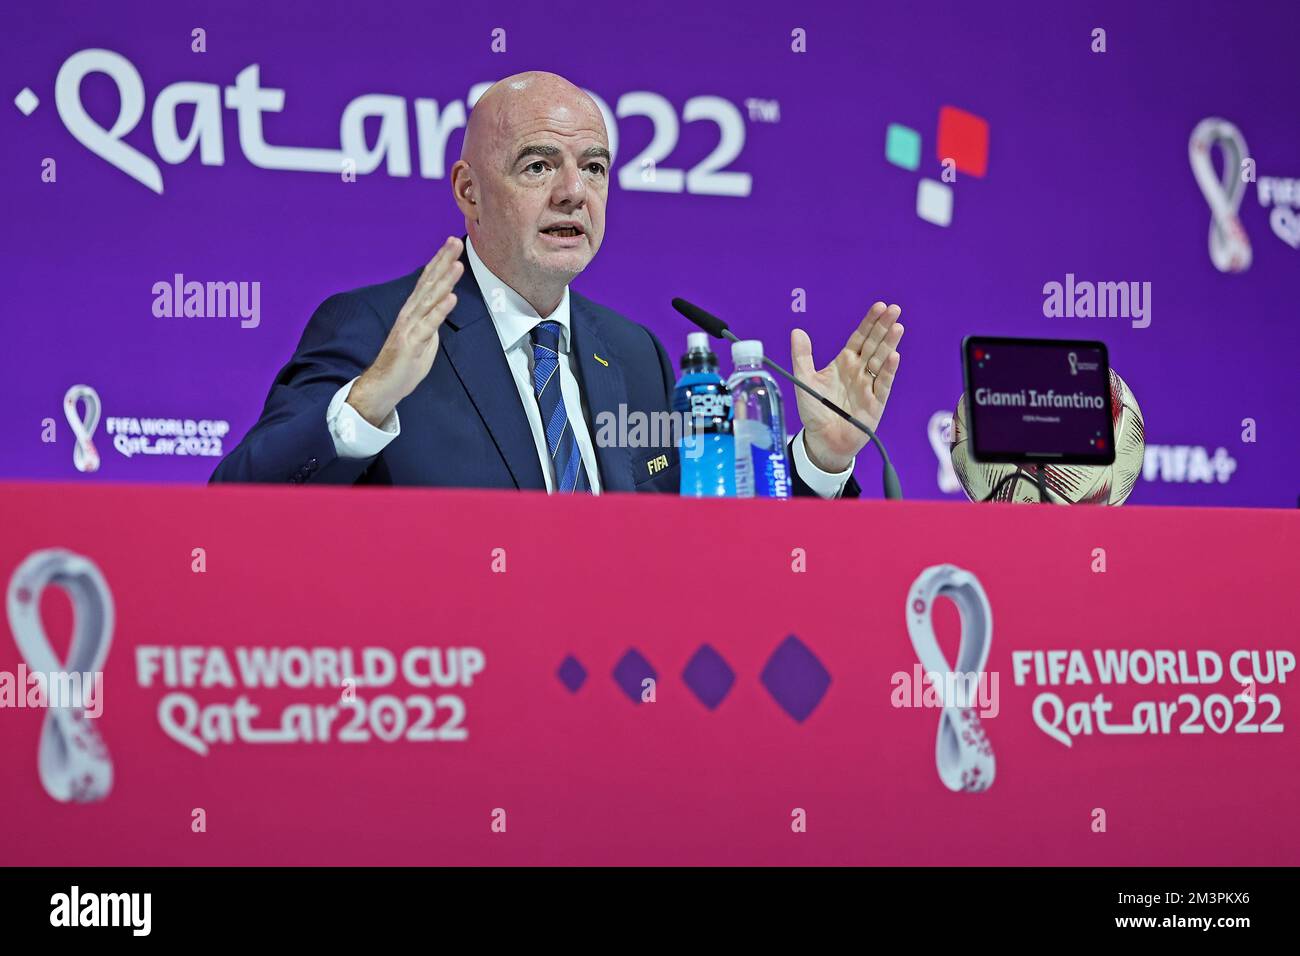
[903,146]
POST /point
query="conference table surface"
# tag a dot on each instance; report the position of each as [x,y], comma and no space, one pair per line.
[360,675]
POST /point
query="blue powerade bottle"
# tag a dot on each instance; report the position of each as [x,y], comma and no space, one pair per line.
[702,405]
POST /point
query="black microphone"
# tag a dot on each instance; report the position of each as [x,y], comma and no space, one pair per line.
[718,329]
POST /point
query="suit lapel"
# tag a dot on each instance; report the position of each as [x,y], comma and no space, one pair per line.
[471,344]
[605,390]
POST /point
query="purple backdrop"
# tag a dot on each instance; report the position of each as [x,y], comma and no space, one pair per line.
[1088,174]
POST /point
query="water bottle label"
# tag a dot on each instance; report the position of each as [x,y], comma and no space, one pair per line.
[771,472]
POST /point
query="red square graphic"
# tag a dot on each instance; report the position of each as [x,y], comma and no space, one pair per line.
[964,138]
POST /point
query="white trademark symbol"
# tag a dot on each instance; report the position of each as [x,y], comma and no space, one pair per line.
[763,111]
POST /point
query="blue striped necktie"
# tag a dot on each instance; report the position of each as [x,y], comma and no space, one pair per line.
[566,459]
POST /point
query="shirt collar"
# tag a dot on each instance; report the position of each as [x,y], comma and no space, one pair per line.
[512,316]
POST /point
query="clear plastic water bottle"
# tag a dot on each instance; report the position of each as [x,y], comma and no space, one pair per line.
[705,448]
[762,470]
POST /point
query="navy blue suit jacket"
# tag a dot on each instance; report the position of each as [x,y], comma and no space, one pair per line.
[464,425]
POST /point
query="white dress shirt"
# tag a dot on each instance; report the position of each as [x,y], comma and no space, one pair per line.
[514,319]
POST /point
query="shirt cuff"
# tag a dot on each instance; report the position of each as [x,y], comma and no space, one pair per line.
[824,483]
[354,437]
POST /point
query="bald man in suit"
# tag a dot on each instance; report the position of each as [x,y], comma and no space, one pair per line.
[484,369]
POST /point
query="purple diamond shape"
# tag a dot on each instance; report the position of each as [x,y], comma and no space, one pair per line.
[572,674]
[795,678]
[630,671]
[709,677]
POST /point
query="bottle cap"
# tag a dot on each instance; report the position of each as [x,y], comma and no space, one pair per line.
[699,357]
[747,352]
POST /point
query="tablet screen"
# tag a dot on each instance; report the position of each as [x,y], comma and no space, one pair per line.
[1038,400]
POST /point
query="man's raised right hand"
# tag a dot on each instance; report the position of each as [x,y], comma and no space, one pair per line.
[412,345]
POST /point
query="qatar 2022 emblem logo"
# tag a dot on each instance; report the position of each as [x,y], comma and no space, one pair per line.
[72,760]
[963,754]
[84,423]
[1229,246]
